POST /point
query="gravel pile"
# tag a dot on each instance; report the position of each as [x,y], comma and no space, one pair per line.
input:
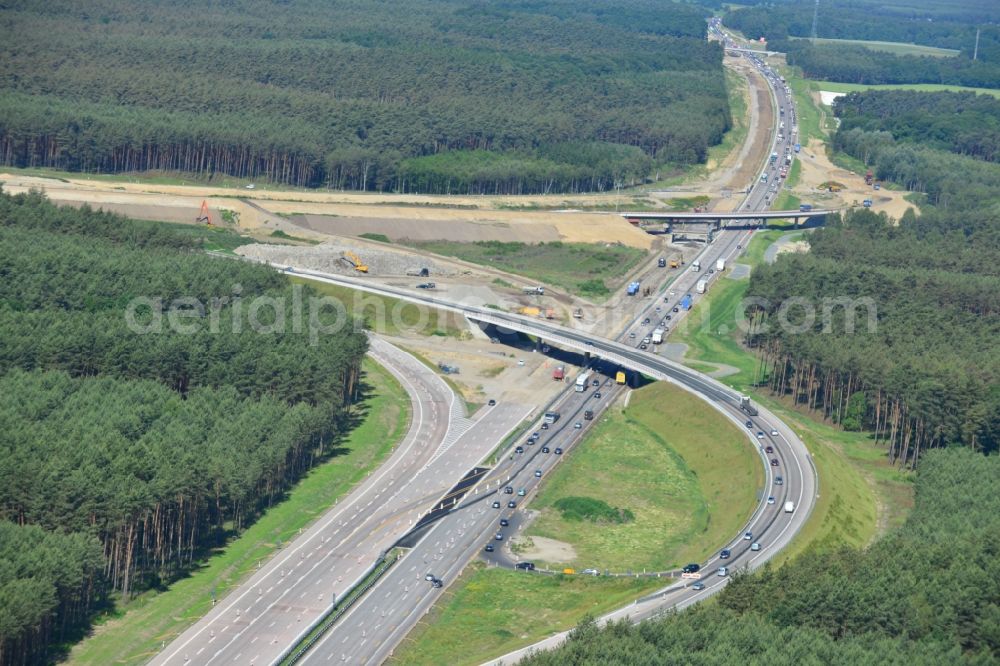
[329,258]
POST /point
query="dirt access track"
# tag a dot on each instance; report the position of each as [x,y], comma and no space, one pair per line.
[318,215]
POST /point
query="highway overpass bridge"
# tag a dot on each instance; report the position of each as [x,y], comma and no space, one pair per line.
[703,225]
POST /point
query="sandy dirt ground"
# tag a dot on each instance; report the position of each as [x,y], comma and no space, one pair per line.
[546,550]
[488,370]
[817,169]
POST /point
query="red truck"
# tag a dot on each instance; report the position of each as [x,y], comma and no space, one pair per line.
[559,374]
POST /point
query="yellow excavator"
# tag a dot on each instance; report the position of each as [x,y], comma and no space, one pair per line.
[356,262]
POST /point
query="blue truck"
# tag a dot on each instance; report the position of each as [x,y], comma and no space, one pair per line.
[805,208]
[798,147]
[633,288]
[686,302]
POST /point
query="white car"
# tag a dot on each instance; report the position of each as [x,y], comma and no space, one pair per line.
[723,571]
[755,546]
[774,433]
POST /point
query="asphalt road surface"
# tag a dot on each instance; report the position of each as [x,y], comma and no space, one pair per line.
[266,616]
[377,623]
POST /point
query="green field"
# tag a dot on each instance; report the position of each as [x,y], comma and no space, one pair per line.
[590,270]
[489,612]
[832,86]
[678,466]
[896,48]
[134,633]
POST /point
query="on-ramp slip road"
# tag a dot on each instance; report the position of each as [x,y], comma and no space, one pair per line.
[378,622]
[259,622]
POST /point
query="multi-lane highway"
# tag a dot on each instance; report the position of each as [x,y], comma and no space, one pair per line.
[267,615]
[400,599]
[265,618]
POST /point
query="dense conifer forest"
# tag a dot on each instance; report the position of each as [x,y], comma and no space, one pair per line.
[950,25]
[490,96]
[124,457]
[925,594]
[929,372]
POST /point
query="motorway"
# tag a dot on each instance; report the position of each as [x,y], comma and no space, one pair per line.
[269,614]
[377,623]
[266,617]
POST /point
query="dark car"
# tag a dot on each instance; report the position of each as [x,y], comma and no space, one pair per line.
[558,451]
[778,481]
[509,490]
[596,382]
[646,320]
[512,504]
[545,426]
[691,568]
[597,394]
[519,449]
[489,548]
[491,402]
[436,583]
[674,309]
[504,522]
[750,424]
[525,566]
[496,505]
[774,462]
[643,346]
[698,586]
[724,555]
[769,449]
[538,472]
[545,449]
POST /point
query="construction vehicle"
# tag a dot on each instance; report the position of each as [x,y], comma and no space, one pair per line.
[530,311]
[578,313]
[204,215]
[354,261]
[869,177]
[418,272]
[835,187]
[633,288]
[673,263]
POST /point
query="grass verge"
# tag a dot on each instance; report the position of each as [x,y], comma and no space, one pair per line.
[489,612]
[136,633]
[589,269]
[680,468]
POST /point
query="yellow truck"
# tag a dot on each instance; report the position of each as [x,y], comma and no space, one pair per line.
[620,377]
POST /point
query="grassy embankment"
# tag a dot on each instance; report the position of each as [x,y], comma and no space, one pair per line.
[134,633]
[666,459]
[688,475]
[860,494]
[591,270]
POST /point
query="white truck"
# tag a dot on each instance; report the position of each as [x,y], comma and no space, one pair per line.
[582,381]
[720,265]
[789,507]
[701,286]
[540,291]
[696,265]
[657,336]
